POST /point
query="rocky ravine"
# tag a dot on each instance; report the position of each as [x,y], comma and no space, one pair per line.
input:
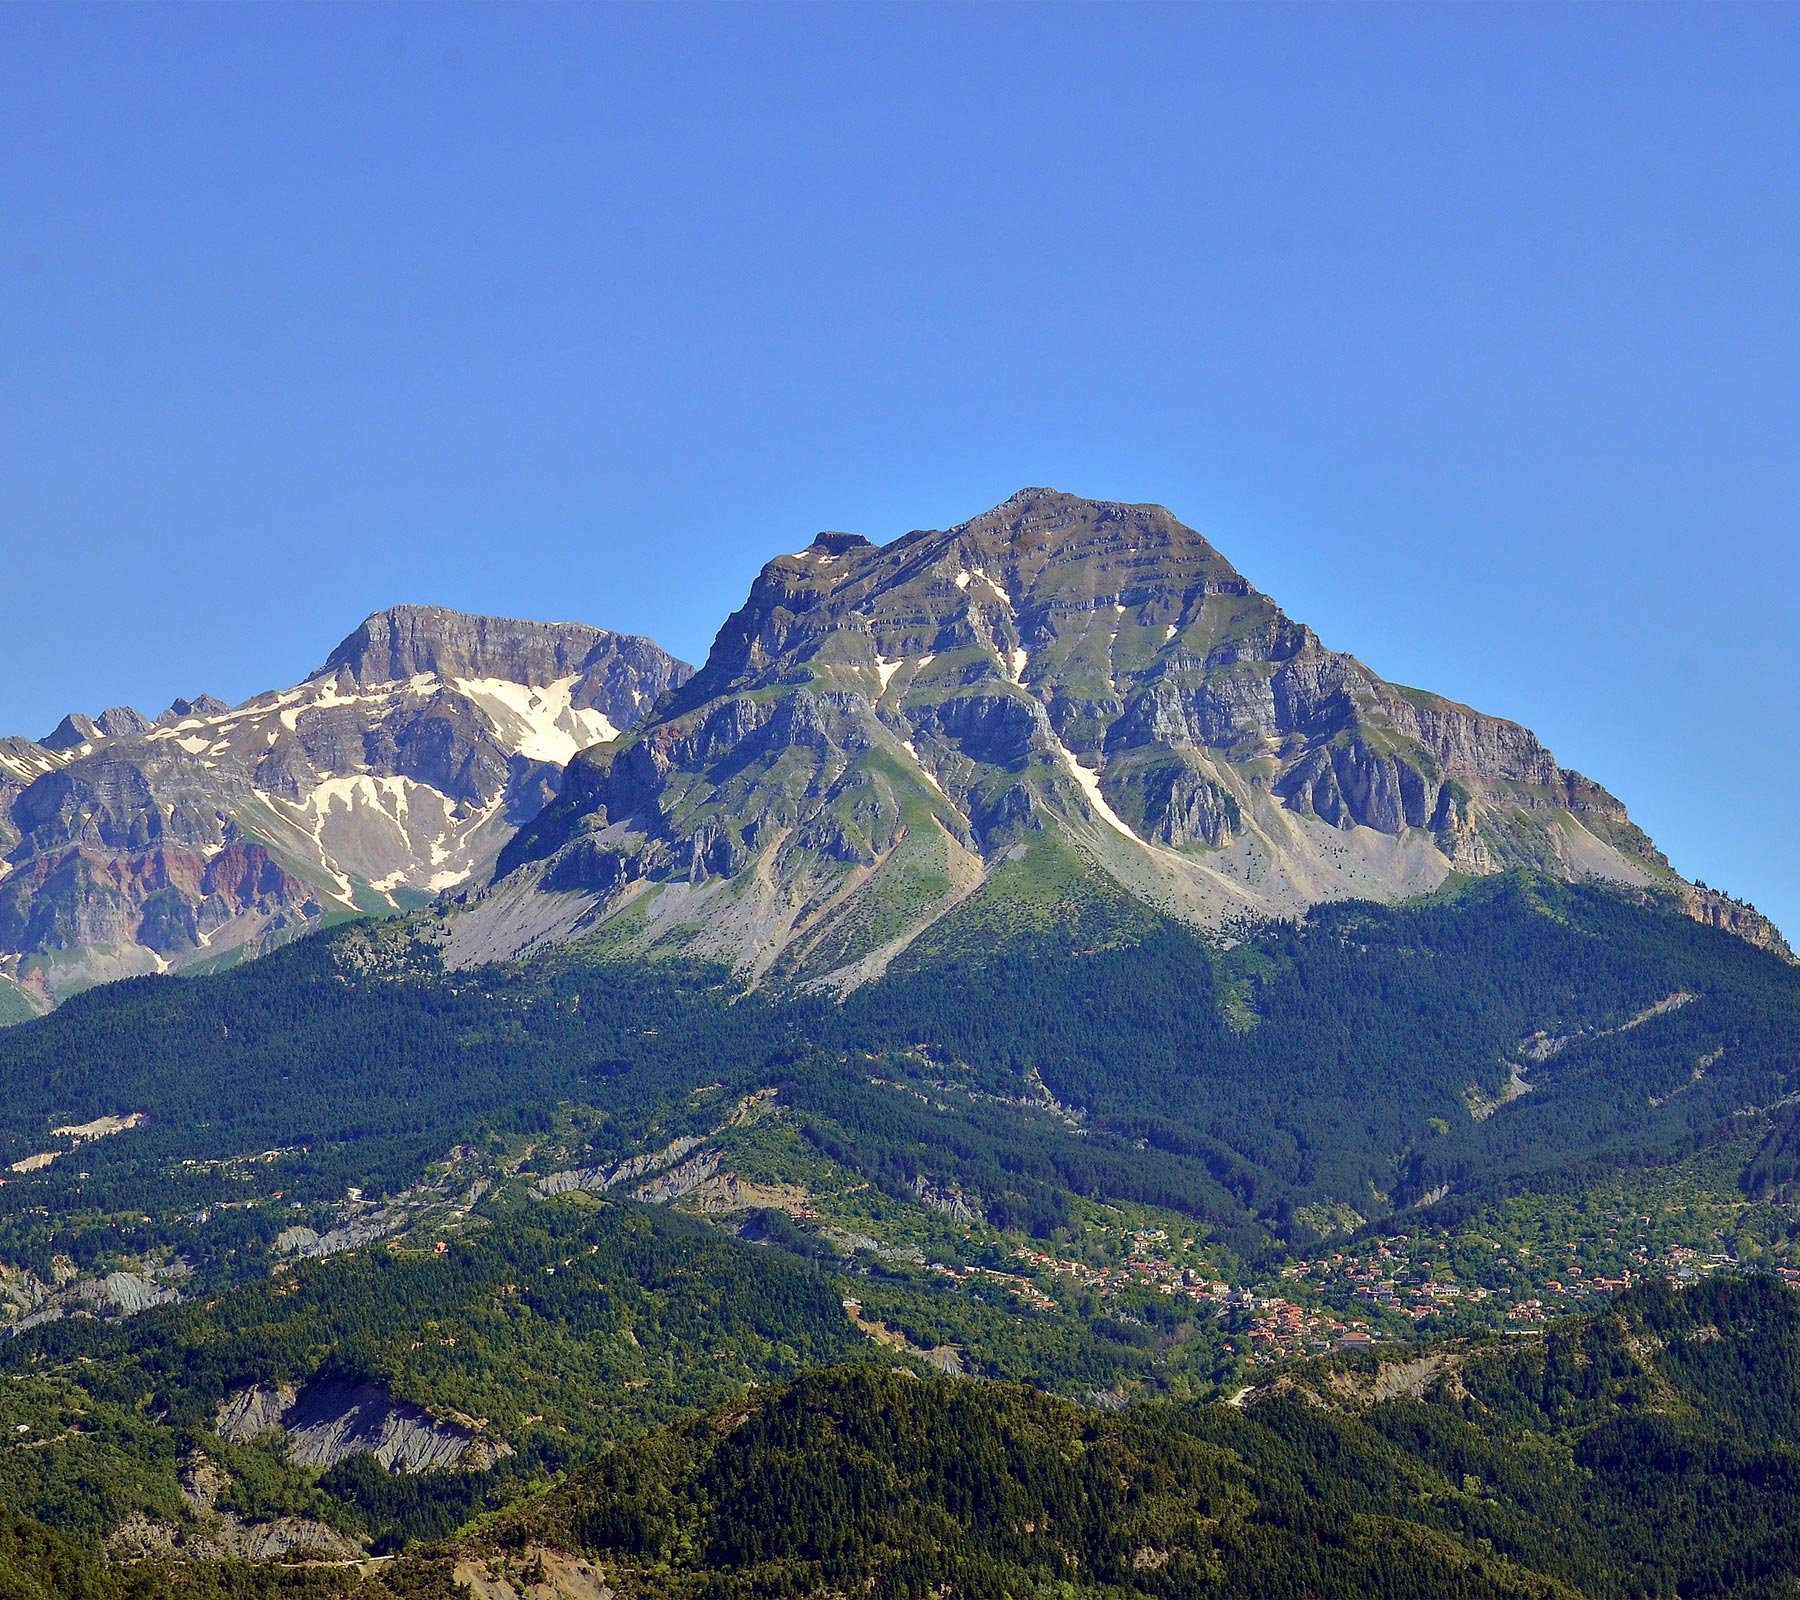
[1060,691]
[397,770]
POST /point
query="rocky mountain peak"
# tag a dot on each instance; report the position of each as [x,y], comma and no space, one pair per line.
[116,722]
[881,733]
[73,731]
[1057,524]
[180,709]
[403,642]
[395,772]
[836,544]
[122,722]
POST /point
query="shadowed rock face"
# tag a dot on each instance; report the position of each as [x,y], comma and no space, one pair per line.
[397,770]
[881,732]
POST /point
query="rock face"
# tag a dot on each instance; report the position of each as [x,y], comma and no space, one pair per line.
[1059,692]
[26,1300]
[397,770]
[332,1419]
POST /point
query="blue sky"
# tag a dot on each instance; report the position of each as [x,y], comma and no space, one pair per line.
[1468,332]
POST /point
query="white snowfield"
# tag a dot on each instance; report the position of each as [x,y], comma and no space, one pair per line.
[539,723]
[1090,786]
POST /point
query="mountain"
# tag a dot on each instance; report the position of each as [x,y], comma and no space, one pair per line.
[1251,1229]
[396,770]
[1061,702]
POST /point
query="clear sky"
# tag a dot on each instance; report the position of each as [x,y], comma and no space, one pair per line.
[1472,334]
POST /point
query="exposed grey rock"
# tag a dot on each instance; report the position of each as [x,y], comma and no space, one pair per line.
[610,1175]
[331,1419]
[947,1199]
[252,1412]
[851,1243]
[121,722]
[179,710]
[26,1301]
[283,1538]
[73,731]
[126,1292]
[398,770]
[221,1532]
[683,1179]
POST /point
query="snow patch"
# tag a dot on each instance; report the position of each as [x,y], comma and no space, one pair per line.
[1089,781]
[323,694]
[925,771]
[887,669]
[1004,598]
[541,724]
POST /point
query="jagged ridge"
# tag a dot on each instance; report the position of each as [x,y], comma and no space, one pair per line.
[395,771]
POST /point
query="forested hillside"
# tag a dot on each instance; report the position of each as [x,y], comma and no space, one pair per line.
[1646,1450]
[1372,1057]
[328,1255]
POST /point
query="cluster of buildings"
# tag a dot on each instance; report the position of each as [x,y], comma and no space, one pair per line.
[1415,1279]
[1013,1282]
[1282,1330]
[1140,1270]
[1355,1297]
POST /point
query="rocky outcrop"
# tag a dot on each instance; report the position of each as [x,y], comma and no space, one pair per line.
[539,1573]
[613,1174]
[882,732]
[396,771]
[252,1412]
[126,1293]
[213,1532]
[331,1419]
[947,1199]
[1719,910]
[26,1300]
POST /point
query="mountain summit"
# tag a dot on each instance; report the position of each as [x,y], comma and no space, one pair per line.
[409,641]
[395,771]
[1059,702]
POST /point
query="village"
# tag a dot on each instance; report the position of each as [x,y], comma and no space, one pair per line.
[1381,1290]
